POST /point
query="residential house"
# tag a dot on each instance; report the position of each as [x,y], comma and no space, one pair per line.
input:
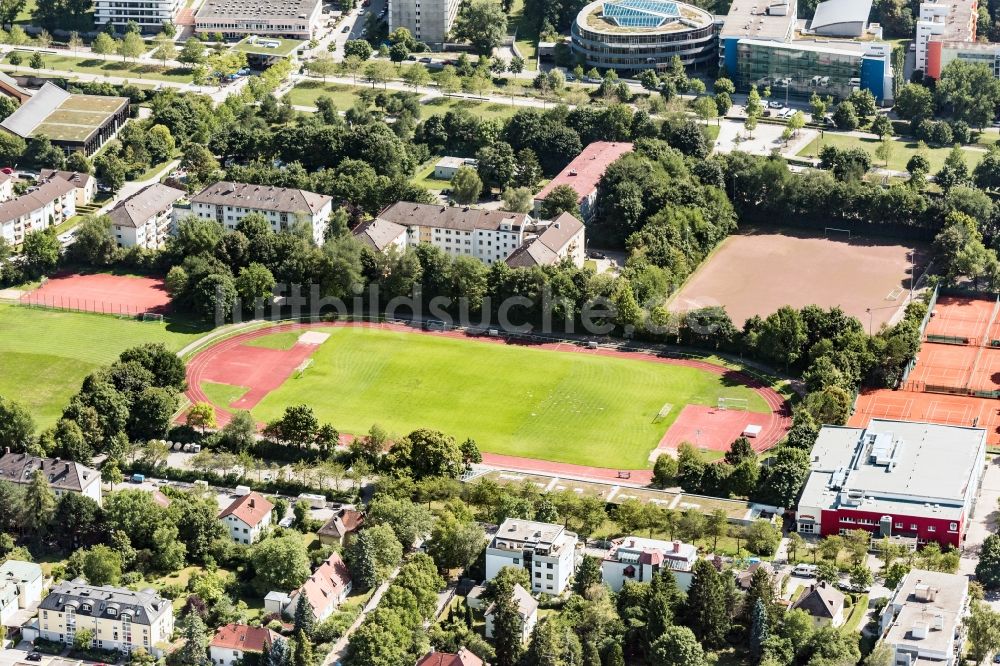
[48,204]
[325,589]
[64,476]
[446,167]
[380,235]
[120,619]
[638,559]
[6,186]
[27,577]
[546,550]
[85,184]
[562,238]
[344,522]
[247,517]
[744,577]
[527,608]
[283,207]
[584,173]
[923,621]
[461,658]
[824,603]
[233,641]
[146,218]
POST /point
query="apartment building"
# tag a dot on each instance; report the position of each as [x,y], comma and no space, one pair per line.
[247,517]
[550,243]
[940,22]
[283,207]
[584,173]
[85,183]
[289,19]
[428,21]
[923,621]
[20,589]
[120,619]
[151,15]
[64,476]
[638,559]
[547,551]
[145,219]
[48,204]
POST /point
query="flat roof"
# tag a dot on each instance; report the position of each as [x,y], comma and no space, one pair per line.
[62,116]
[959,24]
[833,47]
[760,19]
[248,10]
[269,46]
[922,599]
[586,169]
[642,16]
[894,466]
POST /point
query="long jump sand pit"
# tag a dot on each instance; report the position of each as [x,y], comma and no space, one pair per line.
[760,270]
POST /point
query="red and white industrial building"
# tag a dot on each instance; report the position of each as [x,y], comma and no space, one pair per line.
[894,479]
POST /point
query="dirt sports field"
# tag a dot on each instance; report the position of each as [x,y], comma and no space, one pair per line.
[101,292]
[957,367]
[758,271]
[262,371]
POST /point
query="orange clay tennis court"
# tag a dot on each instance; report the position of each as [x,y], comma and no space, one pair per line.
[940,387]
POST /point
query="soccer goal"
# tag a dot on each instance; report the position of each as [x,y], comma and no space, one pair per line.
[834,232]
[302,367]
[741,404]
[662,414]
[152,316]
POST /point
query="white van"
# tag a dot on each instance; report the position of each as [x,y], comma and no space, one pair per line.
[315,501]
[804,570]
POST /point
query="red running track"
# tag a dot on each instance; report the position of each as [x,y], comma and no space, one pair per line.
[200,368]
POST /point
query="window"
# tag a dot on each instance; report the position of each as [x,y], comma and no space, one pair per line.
[913,526]
[548,576]
[517,560]
[931,528]
[952,526]
[538,574]
[898,526]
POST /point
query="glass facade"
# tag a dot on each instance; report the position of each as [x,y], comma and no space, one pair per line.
[797,72]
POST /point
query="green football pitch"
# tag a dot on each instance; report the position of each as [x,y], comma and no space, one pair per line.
[45,354]
[522,401]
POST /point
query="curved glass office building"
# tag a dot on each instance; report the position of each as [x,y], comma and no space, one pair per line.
[634,35]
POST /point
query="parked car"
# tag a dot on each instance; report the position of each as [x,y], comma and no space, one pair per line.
[804,570]
[347,28]
[570,77]
[34,656]
[7,170]
[425,59]
[598,255]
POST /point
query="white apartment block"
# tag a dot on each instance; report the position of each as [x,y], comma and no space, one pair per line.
[490,236]
[149,14]
[26,577]
[290,19]
[120,619]
[145,219]
[283,207]
[638,559]
[923,621]
[48,204]
[944,20]
[428,21]
[547,551]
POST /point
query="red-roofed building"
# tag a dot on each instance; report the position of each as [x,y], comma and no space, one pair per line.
[247,517]
[233,640]
[584,172]
[638,559]
[325,589]
[463,658]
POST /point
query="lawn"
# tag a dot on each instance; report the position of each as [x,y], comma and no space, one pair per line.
[307,92]
[425,178]
[527,36]
[102,67]
[904,149]
[567,407]
[284,340]
[484,110]
[858,610]
[222,394]
[45,354]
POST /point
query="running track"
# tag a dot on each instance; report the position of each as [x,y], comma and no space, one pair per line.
[774,429]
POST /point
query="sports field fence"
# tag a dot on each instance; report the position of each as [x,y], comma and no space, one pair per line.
[71,304]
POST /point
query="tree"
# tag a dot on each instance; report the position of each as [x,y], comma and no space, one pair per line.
[969,92]
[482,23]
[417,77]
[9,9]
[885,148]
[304,622]
[194,648]
[826,572]
[279,563]
[914,102]
[379,71]
[518,200]
[753,108]
[782,336]
[676,646]
[36,61]
[705,108]
[758,629]
[409,521]
[427,452]
[17,428]
[988,567]
[322,66]
[165,50]
[562,199]
[41,251]
[882,126]
[706,610]
[762,537]
[152,413]
[83,639]
[254,282]
[104,44]
[846,117]
[201,415]
[131,46]
[918,167]
[358,48]
[507,626]
[373,555]
[102,566]
[455,543]
[861,576]
[466,186]
[192,53]
[983,626]
[39,505]
[664,470]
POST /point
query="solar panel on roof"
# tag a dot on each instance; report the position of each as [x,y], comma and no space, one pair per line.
[640,13]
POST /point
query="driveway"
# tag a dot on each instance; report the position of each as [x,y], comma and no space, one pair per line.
[983,522]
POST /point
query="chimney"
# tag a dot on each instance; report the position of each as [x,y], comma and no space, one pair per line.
[251,503]
[677,546]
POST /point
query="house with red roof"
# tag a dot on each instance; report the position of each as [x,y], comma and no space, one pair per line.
[638,559]
[584,173]
[462,658]
[325,589]
[232,641]
[335,530]
[247,517]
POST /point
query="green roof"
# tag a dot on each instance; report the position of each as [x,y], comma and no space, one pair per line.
[269,46]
